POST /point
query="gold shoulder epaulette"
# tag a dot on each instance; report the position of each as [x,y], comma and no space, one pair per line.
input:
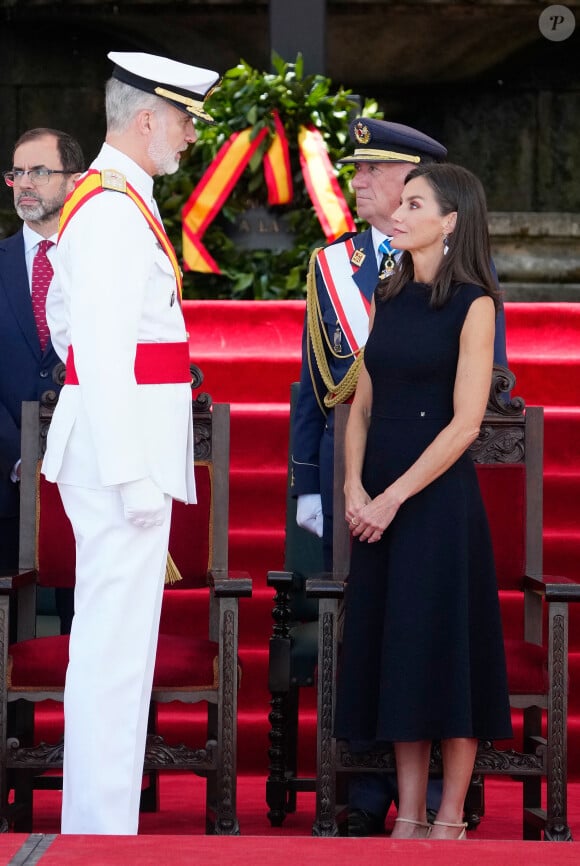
[113,179]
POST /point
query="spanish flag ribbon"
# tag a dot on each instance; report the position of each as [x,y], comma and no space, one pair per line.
[219,179]
[324,190]
[277,171]
[212,192]
[95,182]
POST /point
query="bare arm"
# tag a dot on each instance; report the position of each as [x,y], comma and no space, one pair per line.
[470,397]
[356,438]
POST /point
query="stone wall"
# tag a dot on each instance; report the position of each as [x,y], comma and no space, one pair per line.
[477,74]
[537,255]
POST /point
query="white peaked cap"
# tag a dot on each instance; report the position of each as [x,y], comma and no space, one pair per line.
[184,86]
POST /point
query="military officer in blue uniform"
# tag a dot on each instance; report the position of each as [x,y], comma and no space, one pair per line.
[341,282]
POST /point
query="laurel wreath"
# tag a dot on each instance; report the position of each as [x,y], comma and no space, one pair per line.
[248,97]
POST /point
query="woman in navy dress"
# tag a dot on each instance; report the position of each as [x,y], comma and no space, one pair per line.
[422,657]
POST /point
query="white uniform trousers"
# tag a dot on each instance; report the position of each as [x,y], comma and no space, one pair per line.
[120,572]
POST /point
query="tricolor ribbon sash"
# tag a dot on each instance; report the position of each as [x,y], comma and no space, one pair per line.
[322,185]
[219,179]
[92,184]
[350,305]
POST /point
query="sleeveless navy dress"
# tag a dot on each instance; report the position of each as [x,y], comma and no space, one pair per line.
[422,656]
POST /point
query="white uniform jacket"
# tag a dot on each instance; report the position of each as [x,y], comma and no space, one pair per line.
[115,287]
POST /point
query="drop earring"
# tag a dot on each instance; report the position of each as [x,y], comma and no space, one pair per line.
[445,245]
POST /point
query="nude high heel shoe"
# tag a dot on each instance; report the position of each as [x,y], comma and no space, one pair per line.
[421,824]
[462,825]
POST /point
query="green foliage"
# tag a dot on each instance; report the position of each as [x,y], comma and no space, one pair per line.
[247,97]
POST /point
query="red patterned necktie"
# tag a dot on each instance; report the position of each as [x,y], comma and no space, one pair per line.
[41,276]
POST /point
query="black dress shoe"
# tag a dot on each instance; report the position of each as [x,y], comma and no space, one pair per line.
[362,823]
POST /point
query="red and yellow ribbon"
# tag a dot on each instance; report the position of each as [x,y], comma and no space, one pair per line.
[277,172]
[323,188]
[214,188]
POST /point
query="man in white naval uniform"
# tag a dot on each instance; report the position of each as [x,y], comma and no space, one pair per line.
[120,445]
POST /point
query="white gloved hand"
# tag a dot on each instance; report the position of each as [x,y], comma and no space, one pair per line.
[309,513]
[143,503]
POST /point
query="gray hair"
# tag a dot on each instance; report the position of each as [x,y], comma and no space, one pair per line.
[123,102]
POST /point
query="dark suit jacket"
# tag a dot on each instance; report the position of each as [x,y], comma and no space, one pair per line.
[25,371]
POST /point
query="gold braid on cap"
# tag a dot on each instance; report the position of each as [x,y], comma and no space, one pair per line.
[317,337]
[178,97]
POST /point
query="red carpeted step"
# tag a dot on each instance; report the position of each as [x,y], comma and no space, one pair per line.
[543,344]
[248,350]
[562,553]
[561,437]
[260,430]
[544,381]
[258,497]
[562,501]
[238,380]
[185,612]
[574,685]
[543,329]
[257,551]
[240,328]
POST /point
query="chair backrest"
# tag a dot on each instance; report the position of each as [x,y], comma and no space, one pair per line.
[46,536]
[198,539]
[508,454]
[198,536]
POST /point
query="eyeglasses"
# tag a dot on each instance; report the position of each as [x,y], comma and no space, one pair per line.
[38,176]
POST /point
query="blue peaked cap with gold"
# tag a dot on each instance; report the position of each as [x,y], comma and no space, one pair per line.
[182,85]
[383,141]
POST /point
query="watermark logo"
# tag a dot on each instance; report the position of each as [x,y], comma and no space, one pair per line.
[557,23]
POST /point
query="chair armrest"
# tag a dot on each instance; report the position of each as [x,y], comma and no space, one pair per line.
[324,585]
[554,588]
[285,581]
[9,582]
[236,584]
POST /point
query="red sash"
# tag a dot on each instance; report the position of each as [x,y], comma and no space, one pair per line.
[155,364]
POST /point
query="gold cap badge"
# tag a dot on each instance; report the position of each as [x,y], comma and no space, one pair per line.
[362,133]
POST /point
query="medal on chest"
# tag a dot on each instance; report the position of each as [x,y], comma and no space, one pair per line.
[388,261]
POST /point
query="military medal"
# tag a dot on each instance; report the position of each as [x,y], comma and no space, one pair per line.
[358,257]
[388,262]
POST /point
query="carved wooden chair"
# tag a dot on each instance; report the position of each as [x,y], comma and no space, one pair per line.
[509,458]
[192,666]
[292,657]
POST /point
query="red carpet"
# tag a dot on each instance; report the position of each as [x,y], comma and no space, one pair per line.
[175,835]
[257,851]
[250,354]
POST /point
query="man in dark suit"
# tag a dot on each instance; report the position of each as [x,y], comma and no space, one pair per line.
[46,164]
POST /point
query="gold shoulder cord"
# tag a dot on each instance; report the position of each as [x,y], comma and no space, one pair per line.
[318,338]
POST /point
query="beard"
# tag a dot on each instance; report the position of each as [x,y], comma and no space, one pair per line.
[43,210]
[161,154]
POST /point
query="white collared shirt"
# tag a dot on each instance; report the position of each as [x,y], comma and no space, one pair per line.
[31,241]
